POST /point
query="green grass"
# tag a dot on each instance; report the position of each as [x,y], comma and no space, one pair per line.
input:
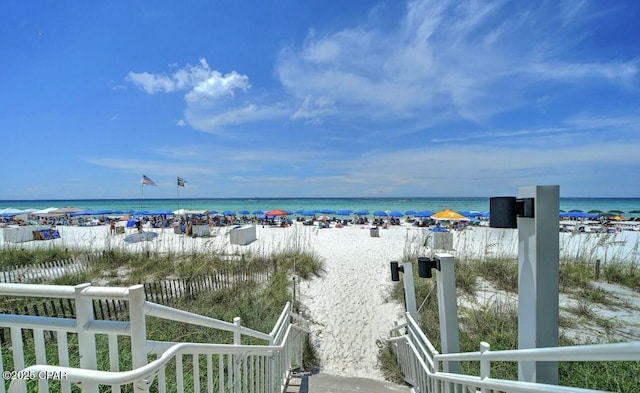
[15,256]
[497,323]
[258,305]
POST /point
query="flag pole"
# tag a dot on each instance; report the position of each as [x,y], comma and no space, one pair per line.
[141,195]
[178,193]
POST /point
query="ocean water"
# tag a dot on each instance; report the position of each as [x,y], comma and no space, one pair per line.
[236,204]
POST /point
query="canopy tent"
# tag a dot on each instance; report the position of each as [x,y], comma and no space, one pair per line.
[449,215]
[184,212]
[276,212]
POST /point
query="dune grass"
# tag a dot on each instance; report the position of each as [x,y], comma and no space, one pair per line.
[258,305]
[497,322]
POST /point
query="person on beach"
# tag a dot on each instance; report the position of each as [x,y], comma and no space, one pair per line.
[112,227]
[139,225]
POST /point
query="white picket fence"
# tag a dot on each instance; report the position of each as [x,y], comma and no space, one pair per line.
[46,271]
[174,366]
[423,366]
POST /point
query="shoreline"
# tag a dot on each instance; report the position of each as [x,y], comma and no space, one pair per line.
[349,305]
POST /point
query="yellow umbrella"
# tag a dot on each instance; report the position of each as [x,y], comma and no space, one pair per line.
[449,215]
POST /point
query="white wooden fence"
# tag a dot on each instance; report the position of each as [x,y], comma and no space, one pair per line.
[423,366]
[174,366]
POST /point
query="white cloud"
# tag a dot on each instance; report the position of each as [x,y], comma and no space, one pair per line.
[314,109]
[214,120]
[446,60]
[181,123]
[152,83]
[202,83]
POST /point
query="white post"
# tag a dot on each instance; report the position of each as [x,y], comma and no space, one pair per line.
[485,364]
[538,281]
[409,291]
[86,339]
[448,309]
[138,331]
[237,340]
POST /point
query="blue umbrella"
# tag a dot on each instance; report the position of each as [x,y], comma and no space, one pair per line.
[379,213]
[363,212]
[308,213]
[161,212]
[258,211]
[327,211]
[410,212]
[299,211]
[229,213]
[244,211]
[395,213]
[424,213]
[345,212]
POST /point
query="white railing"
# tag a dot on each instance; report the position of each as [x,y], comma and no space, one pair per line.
[37,342]
[422,365]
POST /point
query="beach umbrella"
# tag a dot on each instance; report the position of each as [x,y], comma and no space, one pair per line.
[66,210]
[449,215]
[10,212]
[299,211]
[616,212]
[257,211]
[244,211]
[276,212]
[576,211]
[379,213]
[424,213]
[634,211]
[395,213]
[327,211]
[229,213]
[308,213]
[161,212]
[595,211]
[344,212]
[363,212]
[287,211]
[410,212]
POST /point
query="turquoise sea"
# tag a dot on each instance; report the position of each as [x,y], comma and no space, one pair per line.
[236,204]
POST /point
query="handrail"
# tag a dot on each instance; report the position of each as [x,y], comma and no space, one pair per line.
[496,384]
[424,364]
[37,290]
[165,312]
[131,376]
[596,352]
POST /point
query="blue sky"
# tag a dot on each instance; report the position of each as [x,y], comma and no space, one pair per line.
[318,98]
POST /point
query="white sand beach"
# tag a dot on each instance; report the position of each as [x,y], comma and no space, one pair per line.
[348,306]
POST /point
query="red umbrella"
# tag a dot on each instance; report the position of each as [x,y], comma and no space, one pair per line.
[276,212]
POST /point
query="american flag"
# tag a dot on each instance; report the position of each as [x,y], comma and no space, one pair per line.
[181,182]
[147,181]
